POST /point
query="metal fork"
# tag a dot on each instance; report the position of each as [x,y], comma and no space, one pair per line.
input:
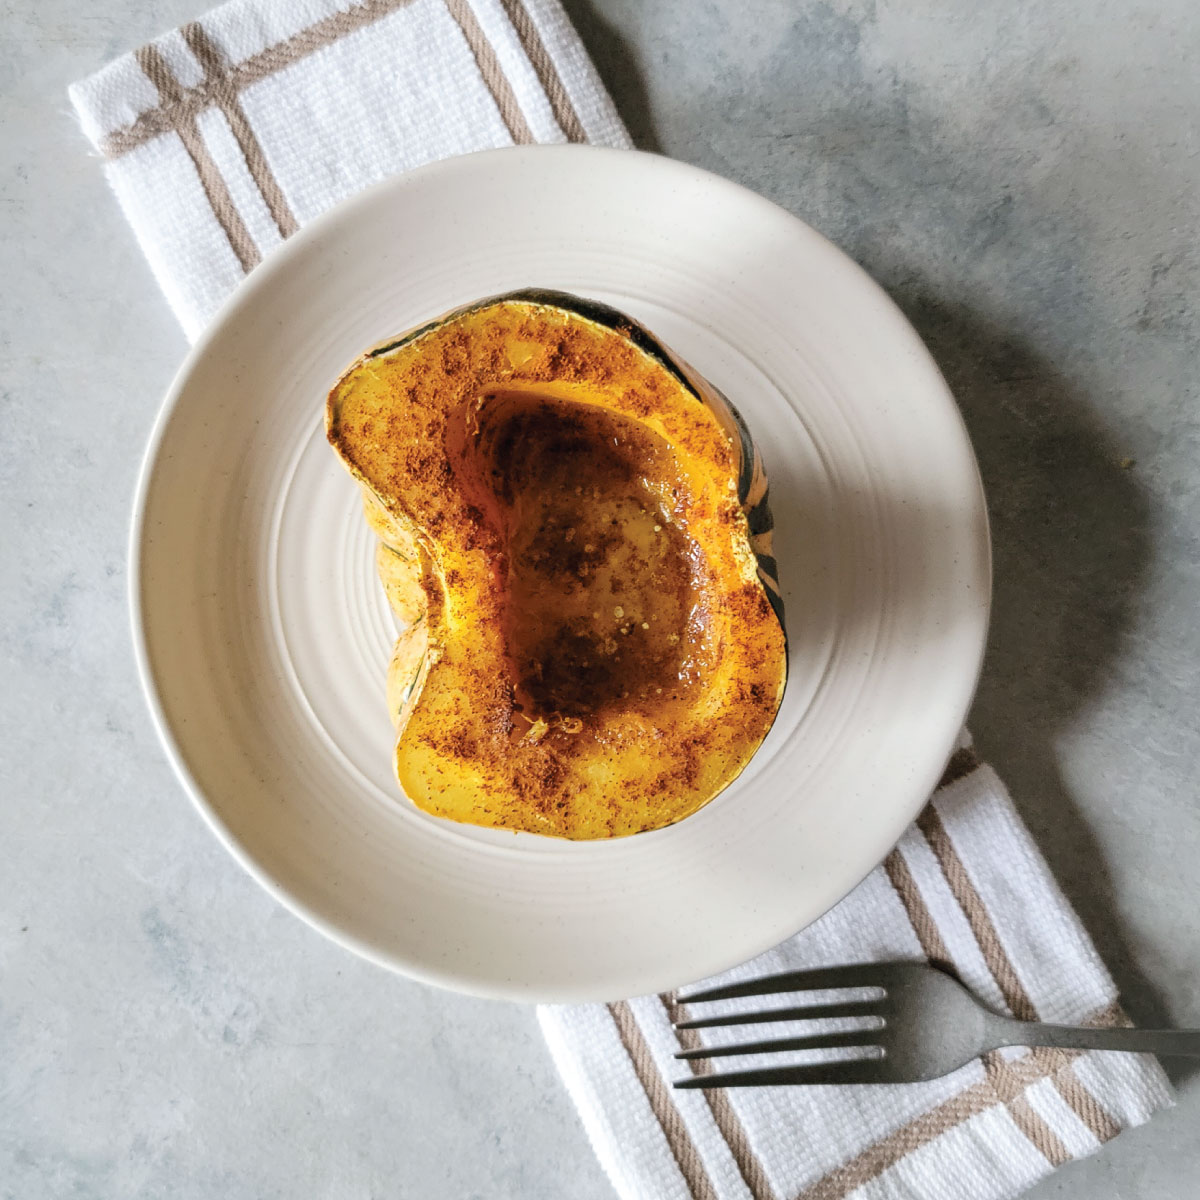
[926,1025]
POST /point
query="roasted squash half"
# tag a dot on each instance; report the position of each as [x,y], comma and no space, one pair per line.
[574,536]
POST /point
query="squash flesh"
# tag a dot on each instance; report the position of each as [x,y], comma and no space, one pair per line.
[602,583]
[588,648]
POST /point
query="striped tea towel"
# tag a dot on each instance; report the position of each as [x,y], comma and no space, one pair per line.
[222,138]
[966,889]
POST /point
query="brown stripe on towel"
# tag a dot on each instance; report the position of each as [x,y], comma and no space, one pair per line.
[159,73]
[240,76]
[1070,1086]
[1026,1118]
[1081,1101]
[962,763]
[995,1066]
[1058,1066]
[919,917]
[183,105]
[888,1151]
[491,70]
[658,1093]
[211,59]
[1005,1081]
[546,71]
[925,1128]
[1011,1085]
[723,1114]
[974,909]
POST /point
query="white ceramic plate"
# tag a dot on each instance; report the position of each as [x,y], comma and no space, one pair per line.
[263,635]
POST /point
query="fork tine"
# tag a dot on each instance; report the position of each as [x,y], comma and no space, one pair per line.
[856,1070]
[851,1008]
[815,1041]
[862,975]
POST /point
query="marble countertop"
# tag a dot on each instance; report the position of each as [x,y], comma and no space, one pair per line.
[1022,177]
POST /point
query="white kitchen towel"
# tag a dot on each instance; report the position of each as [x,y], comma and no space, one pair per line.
[222,138]
[965,888]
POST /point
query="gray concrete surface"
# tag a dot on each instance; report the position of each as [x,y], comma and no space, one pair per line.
[1023,177]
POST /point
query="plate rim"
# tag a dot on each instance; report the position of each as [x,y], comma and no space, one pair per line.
[261,278]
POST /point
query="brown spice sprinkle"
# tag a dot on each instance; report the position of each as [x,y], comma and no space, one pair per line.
[489,440]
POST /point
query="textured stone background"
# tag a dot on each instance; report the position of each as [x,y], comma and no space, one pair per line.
[1022,177]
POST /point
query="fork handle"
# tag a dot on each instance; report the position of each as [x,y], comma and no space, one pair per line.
[1184,1043]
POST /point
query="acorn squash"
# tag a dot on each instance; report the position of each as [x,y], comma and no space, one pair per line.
[574,537]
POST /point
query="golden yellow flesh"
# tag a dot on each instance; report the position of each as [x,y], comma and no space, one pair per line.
[587,649]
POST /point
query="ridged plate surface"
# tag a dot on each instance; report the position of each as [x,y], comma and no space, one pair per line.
[263,634]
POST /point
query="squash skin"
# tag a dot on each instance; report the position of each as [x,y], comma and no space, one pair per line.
[409,419]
